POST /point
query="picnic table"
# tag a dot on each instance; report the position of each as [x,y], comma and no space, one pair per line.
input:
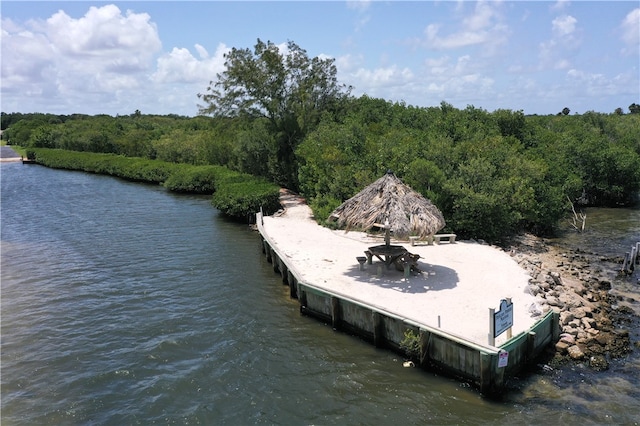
[391,254]
[387,253]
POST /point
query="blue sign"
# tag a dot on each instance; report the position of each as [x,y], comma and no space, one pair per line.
[503,319]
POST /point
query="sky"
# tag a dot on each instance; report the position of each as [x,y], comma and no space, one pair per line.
[156,56]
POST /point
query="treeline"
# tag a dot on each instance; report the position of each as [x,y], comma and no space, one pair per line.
[491,173]
[238,195]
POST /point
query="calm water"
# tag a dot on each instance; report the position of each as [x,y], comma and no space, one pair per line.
[125,304]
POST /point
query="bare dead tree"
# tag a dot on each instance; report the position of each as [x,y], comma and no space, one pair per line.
[577,217]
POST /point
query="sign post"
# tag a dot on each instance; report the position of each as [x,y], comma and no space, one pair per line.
[500,321]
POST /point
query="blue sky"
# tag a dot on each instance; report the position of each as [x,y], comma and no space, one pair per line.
[156,56]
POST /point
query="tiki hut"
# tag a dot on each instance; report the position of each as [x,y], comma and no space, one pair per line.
[388,199]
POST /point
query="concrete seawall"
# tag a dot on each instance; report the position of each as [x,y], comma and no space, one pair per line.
[386,321]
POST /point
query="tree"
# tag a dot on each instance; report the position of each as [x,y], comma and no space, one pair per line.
[565,111]
[634,108]
[284,86]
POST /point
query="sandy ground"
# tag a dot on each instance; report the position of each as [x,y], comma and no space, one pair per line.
[458,285]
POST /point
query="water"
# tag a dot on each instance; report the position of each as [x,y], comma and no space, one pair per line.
[125,304]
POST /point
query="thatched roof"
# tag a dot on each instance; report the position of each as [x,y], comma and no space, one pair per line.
[408,212]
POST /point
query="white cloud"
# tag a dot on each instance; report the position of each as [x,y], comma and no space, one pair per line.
[564,25]
[556,52]
[363,16]
[560,5]
[630,32]
[595,84]
[437,66]
[27,59]
[483,26]
[202,51]
[359,5]
[453,41]
[180,66]
[482,18]
[104,33]
[383,77]
[441,78]
[92,58]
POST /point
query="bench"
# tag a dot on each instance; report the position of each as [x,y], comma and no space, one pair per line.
[408,262]
[416,241]
[450,237]
[361,260]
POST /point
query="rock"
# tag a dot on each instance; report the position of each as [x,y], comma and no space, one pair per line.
[576,323]
[593,332]
[579,313]
[562,347]
[570,330]
[566,317]
[569,301]
[598,363]
[575,352]
[604,285]
[621,333]
[595,349]
[603,338]
[533,289]
[588,323]
[553,301]
[578,290]
[568,338]
[604,322]
[535,310]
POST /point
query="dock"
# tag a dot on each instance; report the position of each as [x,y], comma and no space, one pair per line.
[440,318]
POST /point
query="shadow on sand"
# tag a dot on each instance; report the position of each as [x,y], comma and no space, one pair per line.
[432,277]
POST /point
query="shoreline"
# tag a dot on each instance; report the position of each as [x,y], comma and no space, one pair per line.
[573,283]
[570,282]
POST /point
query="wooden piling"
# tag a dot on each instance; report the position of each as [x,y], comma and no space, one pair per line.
[630,259]
[425,341]
[335,313]
[378,329]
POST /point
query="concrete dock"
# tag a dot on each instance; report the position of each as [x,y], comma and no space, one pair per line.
[447,305]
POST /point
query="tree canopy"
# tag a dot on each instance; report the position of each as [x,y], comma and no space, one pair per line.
[278,114]
[282,86]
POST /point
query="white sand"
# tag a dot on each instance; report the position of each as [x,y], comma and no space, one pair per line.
[459,284]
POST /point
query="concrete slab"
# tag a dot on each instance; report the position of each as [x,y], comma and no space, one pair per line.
[458,285]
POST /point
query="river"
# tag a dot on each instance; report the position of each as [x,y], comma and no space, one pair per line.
[125,304]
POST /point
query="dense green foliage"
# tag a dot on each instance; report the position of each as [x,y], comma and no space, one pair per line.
[246,197]
[288,91]
[198,179]
[491,173]
[130,168]
[235,194]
